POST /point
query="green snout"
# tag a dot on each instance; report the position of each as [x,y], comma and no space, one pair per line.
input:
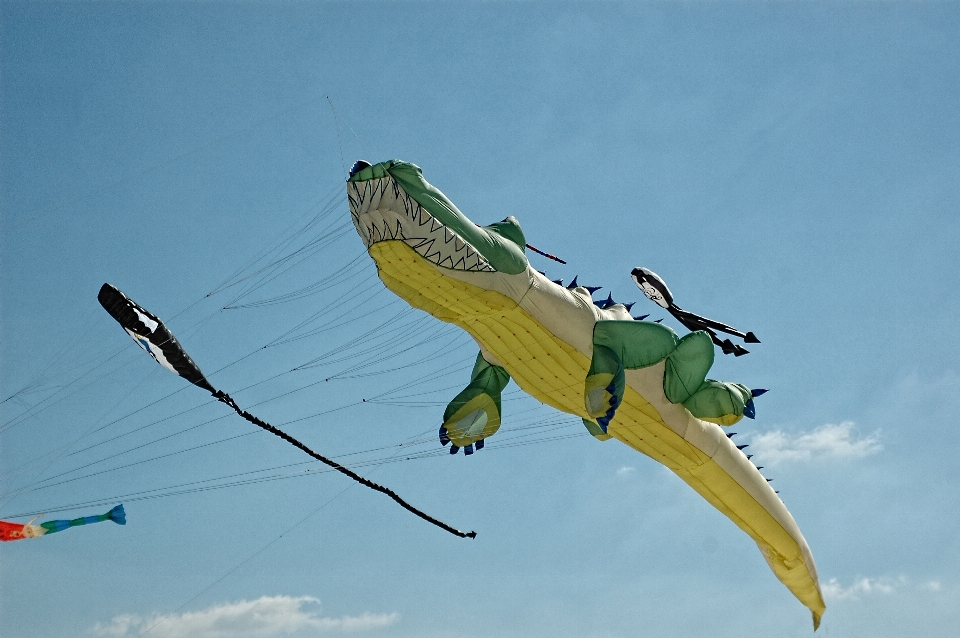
[502,244]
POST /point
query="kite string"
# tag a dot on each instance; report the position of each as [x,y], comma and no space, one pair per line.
[223,397]
[337,117]
[242,563]
[247,560]
[336,121]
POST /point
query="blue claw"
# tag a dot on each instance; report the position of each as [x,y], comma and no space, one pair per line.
[573,284]
[758,392]
[468,450]
[750,410]
[454,449]
[479,444]
[640,318]
[559,282]
[628,306]
[444,439]
[593,289]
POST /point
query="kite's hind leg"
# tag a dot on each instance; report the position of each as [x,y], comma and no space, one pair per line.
[474,414]
[620,345]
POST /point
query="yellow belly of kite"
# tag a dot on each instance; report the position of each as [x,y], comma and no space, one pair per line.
[544,367]
[553,372]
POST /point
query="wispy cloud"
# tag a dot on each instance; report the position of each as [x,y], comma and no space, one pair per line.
[861,587]
[626,471]
[261,618]
[833,589]
[827,441]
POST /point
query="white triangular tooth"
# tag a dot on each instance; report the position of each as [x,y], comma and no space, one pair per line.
[375,198]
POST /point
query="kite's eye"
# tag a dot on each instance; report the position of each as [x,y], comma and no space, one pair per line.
[358,166]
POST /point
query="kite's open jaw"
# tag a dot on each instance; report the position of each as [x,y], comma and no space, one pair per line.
[391,201]
[382,211]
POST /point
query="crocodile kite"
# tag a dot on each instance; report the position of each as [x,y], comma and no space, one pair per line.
[634,381]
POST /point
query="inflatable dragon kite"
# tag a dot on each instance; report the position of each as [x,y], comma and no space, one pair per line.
[631,380]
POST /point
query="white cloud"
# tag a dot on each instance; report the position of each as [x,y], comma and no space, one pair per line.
[830,440]
[626,471]
[833,589]
[266,616]
[886,585]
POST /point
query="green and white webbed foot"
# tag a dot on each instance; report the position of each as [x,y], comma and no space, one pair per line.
[604,387]
[628,345]
[474,414]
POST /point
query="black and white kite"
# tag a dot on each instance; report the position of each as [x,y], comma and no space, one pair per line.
[655,288]
[150,334]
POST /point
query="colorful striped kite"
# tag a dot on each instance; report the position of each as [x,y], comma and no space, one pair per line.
[16,531]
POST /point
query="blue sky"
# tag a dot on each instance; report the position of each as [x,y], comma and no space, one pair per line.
[792,169]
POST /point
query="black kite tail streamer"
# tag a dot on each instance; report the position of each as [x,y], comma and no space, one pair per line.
[226,398]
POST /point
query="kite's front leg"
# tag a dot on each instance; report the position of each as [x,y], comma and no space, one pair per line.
[474,414]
